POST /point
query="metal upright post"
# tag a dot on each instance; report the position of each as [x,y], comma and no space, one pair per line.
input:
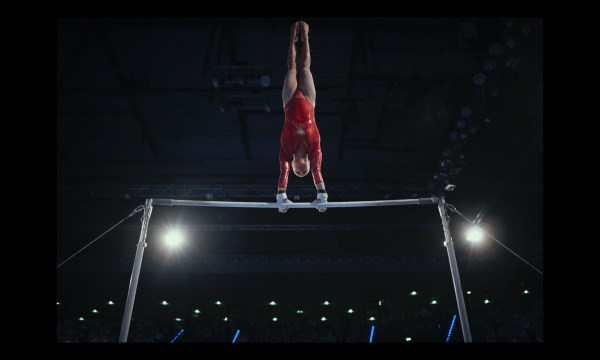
[462,311]
[137,264]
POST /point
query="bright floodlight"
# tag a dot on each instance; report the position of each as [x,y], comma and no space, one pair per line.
[174,238]
[474,235]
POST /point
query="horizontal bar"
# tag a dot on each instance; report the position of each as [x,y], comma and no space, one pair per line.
[256,205]
[229,227]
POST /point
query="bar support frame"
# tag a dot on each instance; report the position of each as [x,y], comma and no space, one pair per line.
[442,207]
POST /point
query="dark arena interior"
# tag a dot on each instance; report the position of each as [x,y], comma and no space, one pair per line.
[172,225]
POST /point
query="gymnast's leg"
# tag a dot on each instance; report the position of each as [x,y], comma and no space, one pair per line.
[305,79]
[291,83]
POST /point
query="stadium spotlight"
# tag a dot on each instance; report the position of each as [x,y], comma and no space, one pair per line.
[447,152]
[465,111]
[510,42]
[495,49]
[479,79]
[460,123]
[174,238]
[215,81]
[455,171]
[489,65]
[453,136]
[474,235]
[265,80]
[512,63]
[239,78]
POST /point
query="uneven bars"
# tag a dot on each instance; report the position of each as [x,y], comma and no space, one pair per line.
[257,205]
[170,202]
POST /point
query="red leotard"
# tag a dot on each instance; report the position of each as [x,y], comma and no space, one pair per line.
[299,127]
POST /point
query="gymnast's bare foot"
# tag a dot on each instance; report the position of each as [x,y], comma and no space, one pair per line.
[295,28]
[303,31]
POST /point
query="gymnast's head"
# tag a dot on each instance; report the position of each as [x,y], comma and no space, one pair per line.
[301,165]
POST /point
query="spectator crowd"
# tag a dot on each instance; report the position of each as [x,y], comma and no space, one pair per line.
[515,320]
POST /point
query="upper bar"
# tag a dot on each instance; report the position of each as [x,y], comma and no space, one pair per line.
[171,202]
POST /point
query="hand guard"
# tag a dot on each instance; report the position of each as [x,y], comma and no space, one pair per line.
[282,199]
[321,199]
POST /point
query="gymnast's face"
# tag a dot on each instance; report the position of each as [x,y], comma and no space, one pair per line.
[301,164]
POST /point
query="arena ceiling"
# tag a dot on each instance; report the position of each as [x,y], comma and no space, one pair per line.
[135,101]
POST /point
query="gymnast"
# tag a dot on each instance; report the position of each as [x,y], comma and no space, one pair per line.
[300,139]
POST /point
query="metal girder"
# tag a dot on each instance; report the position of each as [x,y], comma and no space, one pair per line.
[114,63]
[231,168]
[211,39]
[229,191]
[393,26]
[264,263]
[314,227]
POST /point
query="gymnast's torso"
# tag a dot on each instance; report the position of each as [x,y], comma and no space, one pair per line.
[300,128]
